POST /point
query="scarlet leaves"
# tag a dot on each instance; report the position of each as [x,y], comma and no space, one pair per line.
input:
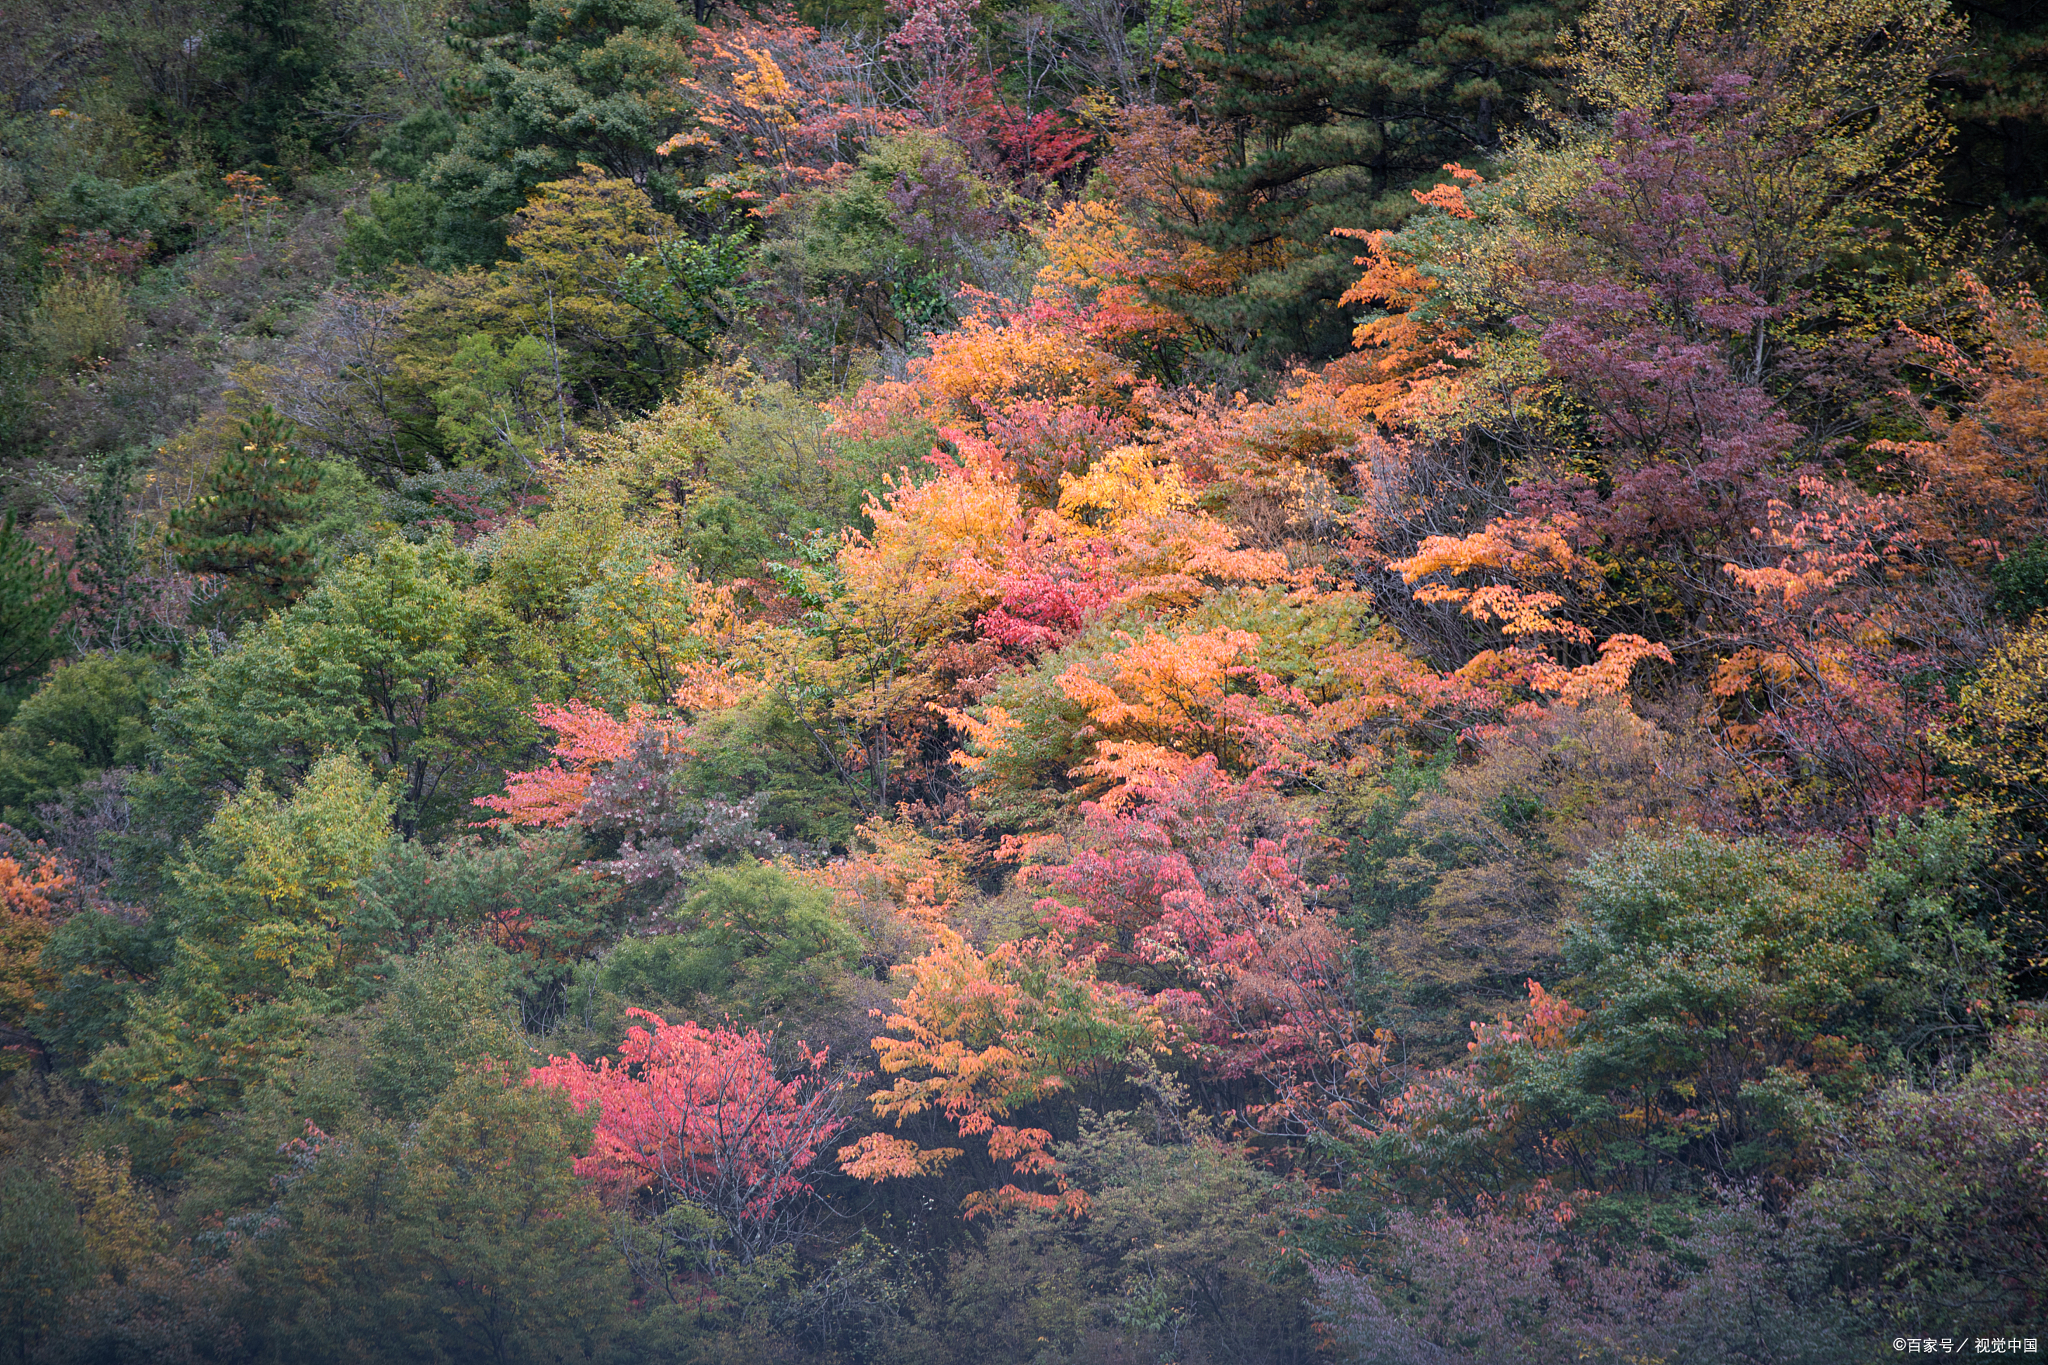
[695,1115]
[553,794]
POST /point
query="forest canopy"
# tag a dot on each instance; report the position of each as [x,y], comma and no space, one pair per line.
[1083,681]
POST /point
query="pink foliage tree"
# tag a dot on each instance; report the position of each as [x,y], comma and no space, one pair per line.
[553,793]
[1198,893]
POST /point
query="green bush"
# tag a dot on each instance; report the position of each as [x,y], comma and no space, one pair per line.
[753,942]
[90,716]
[532,897]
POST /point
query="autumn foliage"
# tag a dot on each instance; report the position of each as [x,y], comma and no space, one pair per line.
[698,1116]
[981,1038]
[37,892]
[1110,681]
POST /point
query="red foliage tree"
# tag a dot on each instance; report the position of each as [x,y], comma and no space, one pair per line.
[553,793]
[698,1116]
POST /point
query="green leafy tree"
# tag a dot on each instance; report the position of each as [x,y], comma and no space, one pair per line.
[504,358]
[1178,1258]
[90,716]
[446,1011]
[118,604]
[439,1014]
[1941,1197]
[1998,97]
[502,405]
[43,1258]
[467,1237]
[687,287]
[888,247]
[102,962]
[1726,994]
[534,899]
[395,657]
[753,941]
[1999,748]
[276,53]
[257,924]
[249,524]
[394,226]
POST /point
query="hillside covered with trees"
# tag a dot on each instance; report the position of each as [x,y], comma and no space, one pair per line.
[1056,681]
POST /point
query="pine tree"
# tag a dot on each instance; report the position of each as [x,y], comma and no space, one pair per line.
[1340,107]
[33,600]
[553,87]
[250,525]
[277,54]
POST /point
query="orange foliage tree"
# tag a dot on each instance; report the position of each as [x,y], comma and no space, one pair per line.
[981,1038]
[783,106]
[1983,482]
[38,891]
[1530,580]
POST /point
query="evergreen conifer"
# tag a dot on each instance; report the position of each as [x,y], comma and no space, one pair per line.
[250,525]
[1340,107]
[107,564]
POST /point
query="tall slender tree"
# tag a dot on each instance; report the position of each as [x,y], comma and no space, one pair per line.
[106,562]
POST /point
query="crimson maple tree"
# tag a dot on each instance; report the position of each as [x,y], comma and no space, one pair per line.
[698,1116]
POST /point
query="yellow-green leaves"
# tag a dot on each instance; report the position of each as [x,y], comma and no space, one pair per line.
[262,858]
[262,897]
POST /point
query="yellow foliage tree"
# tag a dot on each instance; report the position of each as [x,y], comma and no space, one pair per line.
[262,911]
[1999,742]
